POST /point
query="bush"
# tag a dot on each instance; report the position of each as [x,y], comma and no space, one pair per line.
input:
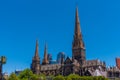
[28,75]
[59,77]
[13,77]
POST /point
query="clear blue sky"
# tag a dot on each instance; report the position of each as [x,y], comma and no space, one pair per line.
[24,21]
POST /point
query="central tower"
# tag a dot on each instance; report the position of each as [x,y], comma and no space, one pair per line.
[78,48]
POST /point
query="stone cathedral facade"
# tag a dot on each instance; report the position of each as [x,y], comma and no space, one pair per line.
[77,64]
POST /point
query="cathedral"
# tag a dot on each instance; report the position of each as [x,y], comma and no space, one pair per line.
[77,64]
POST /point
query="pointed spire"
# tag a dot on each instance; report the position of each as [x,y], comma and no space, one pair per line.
[36,51]
[78,42]
[78,48]
[77,24]
[45,52]
[35,66]
[45,60]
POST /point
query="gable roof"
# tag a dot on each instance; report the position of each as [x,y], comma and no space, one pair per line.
[68,61]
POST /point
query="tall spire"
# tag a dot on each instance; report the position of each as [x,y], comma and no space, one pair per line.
[77,24]
[78,42]
[45,52]
[78,49]
[35,66]
[45,59]
[36,56]
[36,49]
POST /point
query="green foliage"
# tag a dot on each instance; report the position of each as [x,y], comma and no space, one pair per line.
[59,77]
[34,77]
[13,77]
[28,75]
[50,77]
[77,77]
[68,78]
[42,77]
[73,77]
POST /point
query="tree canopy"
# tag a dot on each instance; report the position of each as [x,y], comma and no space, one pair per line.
[13,77]
[27,74]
